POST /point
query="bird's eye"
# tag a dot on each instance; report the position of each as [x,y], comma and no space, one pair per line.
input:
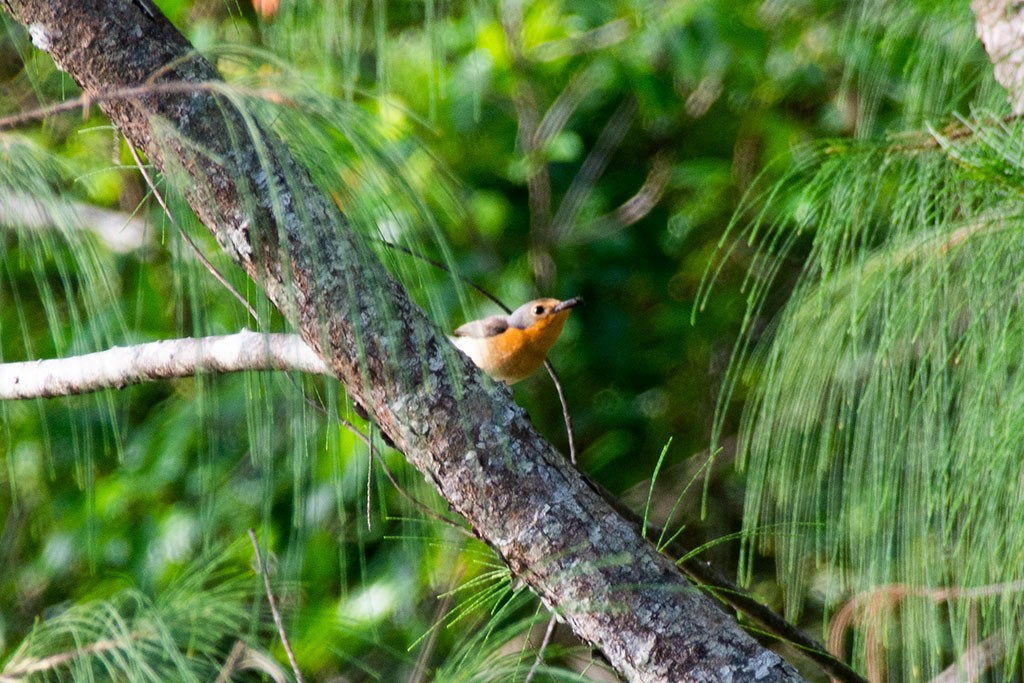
[538,310]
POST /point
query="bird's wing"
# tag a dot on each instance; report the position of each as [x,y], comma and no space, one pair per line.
[485,327]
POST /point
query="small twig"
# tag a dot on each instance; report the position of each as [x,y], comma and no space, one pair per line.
[595,39]
[581,84]
[593,167]
[540,651]
[369,481]
[231,663]
[17,670]
[375,456]
[169,88]
[437,264]
[189,241]
[864,607]
[565,410]
[538,175]
[273,607]
[633,209]
[394,482]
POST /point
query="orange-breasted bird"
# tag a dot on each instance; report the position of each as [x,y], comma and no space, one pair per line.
[511,347]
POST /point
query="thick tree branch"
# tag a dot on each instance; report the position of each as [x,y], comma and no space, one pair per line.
[466,434]
[120,366]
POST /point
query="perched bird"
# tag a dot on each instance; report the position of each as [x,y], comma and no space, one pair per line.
[511,347]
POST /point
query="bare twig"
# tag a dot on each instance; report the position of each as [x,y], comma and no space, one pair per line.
[540,650]
[84,101]
[188,239]
[231,663]
[593,167]
[580,84]
[865,607]
[17,670]
[437,264]
[176,358]
[375,456]
[538,176]
[394,482]
[595,39]
[633,209]
[262,569]
[565,410]
[369,482]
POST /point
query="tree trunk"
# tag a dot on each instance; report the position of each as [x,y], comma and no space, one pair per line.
[465,434]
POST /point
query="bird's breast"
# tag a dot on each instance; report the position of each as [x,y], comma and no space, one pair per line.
[508,357]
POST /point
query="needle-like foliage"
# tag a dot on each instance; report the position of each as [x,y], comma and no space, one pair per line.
[184,633]
[882,433]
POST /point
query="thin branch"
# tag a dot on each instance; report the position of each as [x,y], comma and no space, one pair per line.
[17,670]
[598,38]
[538,176]
[437,264]
[262,569]
[593,167]
[188,239]
[369,482]
[172,359]
[633,209]
[581,84]
[394,482]
[865,607]
[232,662]
[85,101]
[566,416]
[540,650]
[169,359]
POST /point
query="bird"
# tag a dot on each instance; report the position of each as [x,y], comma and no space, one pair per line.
[512,347]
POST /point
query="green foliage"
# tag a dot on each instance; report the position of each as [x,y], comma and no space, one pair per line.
[545,148]
[880,435]
[183,633]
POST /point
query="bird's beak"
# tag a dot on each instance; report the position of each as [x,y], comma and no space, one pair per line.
[567,304]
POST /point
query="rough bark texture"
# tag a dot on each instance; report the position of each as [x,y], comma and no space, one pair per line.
[466,435]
